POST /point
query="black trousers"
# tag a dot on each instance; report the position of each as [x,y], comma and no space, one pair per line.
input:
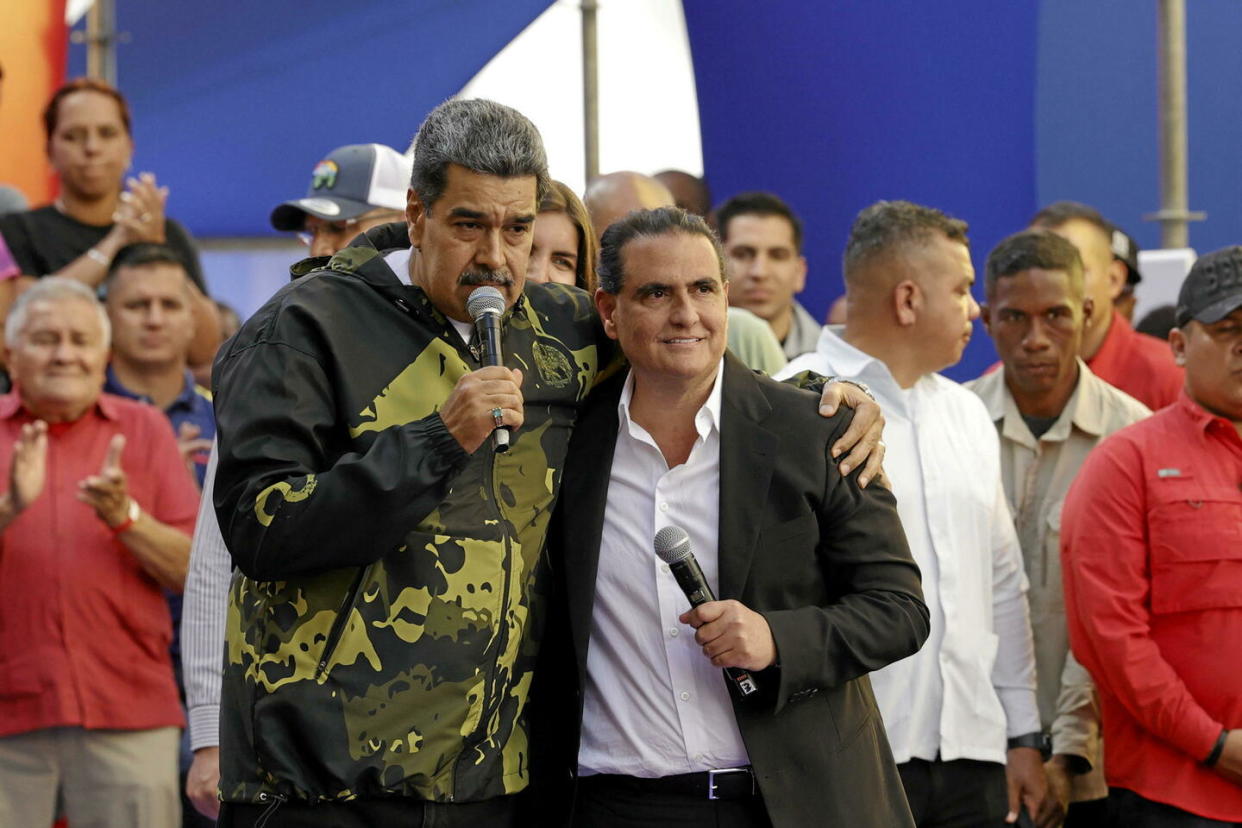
[500,812]
[1129,810]
[1090,813]
[958,794]
[622,803]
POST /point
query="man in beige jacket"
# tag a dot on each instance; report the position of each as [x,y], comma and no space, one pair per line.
[1050,411]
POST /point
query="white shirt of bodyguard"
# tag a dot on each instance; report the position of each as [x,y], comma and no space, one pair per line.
[972,684]
[654,705]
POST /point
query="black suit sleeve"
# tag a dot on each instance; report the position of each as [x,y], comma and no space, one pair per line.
[875,614]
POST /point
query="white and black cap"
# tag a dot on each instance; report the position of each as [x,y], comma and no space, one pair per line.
[352,180]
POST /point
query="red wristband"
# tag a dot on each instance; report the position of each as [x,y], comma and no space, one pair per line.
[130,518]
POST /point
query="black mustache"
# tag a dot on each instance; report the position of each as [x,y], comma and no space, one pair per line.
[485,277]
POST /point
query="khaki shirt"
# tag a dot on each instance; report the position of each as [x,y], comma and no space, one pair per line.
[1037,474]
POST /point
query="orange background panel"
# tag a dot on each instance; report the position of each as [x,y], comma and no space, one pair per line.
[33,44]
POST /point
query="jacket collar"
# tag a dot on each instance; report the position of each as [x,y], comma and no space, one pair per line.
[1085,409]
[11,404]
[363,258]
[748,451]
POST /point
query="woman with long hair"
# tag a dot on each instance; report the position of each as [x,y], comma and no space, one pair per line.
[564,247]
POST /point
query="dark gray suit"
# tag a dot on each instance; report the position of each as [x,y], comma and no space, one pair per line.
[825,563]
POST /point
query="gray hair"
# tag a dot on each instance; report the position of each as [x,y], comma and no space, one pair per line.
[482,136]
[662,221]
[52,289]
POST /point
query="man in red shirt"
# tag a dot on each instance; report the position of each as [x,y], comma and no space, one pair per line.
[1151,544]
[94,523]
[1138,364]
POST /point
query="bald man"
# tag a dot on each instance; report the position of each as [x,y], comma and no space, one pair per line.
[611,197]
[690,192]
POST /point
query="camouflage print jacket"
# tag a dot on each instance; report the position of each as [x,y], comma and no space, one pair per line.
[382,628]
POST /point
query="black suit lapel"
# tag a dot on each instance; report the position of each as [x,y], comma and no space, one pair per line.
[747,455]
[584,497]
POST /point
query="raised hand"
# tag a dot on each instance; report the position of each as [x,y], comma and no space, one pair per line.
[28,471]
[193,448]
[107,492]
[141,212]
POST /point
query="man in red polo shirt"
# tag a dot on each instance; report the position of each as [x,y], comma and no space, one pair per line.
[95,521]
[1138,364]
[1151,544]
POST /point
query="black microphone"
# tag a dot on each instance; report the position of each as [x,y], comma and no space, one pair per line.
[485,306]
[672,545]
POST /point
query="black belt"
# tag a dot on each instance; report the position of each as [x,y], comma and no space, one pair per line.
[724,783]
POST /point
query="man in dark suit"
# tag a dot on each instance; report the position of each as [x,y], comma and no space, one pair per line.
[817,584]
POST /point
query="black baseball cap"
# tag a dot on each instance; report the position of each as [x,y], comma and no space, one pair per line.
[1213,288]
[1126,249]
[352,180]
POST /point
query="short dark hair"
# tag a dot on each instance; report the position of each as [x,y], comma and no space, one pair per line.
[51,113]
[1059,212]
[662,221]
[143,254]
[889,225]
[758,204]
[1031,249]
[482,136]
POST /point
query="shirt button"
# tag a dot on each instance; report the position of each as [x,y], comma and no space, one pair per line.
[685,696]
[663,507]
[673,632]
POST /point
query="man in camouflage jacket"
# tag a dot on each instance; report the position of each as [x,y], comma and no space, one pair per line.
[381,632]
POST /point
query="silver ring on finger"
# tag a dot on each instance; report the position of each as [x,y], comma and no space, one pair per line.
[498,417]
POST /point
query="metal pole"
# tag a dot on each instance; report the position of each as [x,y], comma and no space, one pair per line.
[1174,215]
[101,41]
[590,89]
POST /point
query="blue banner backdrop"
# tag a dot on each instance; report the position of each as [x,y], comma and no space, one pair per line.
[835,105]
[234,101]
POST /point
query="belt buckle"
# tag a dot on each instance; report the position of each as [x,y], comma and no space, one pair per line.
[711,779]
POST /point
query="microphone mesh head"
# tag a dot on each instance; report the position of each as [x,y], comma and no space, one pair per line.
[485,299]
[672,544]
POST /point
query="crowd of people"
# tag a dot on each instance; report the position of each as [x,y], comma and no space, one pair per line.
[326,595]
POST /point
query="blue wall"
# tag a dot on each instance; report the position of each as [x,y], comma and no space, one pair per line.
[1097,113]
[234,101]
[836,105]
[984,109]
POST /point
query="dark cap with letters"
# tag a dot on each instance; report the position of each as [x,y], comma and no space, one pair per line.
[1213,288]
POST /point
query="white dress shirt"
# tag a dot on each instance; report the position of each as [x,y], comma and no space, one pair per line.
[654,705]
[973,682]
[202,618]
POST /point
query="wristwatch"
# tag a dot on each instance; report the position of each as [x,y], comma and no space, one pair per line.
[1036,739]
[861,386]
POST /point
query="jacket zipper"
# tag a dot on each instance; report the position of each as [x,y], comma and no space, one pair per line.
[491,698]
[342,618]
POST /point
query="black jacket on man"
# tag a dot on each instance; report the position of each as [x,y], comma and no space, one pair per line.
[827,565]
